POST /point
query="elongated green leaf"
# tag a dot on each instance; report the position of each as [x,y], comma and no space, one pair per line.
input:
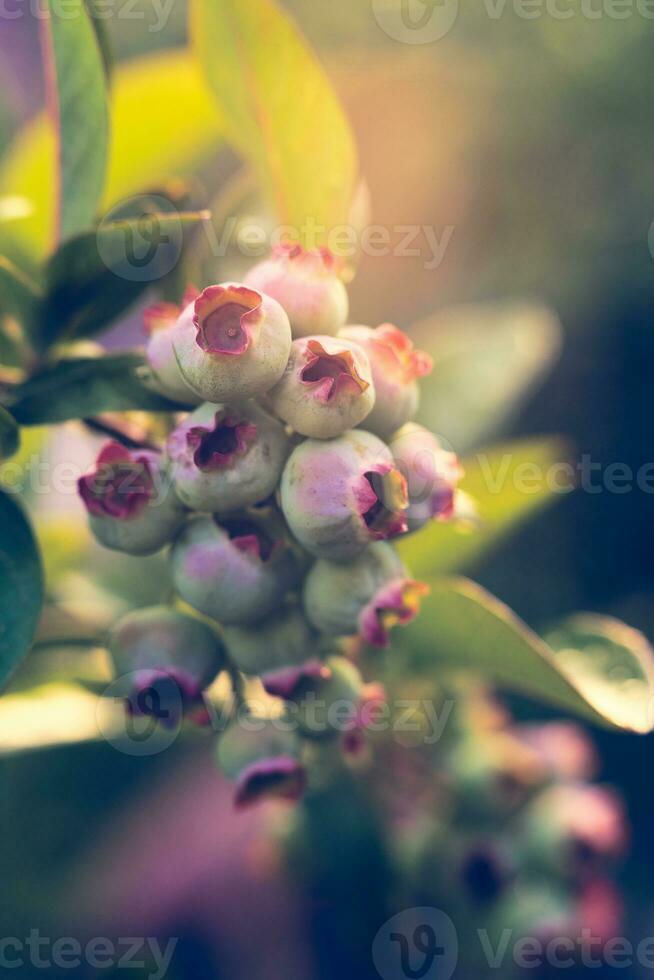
[21,586]
[163,123]
[508,484]
[280,110]
[9,434]
[19,299]
[97,15]
[77,102]
[96,276]
[464,627]
[81,387]
[487,359]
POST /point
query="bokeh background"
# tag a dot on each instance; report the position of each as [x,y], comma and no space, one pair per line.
[532,141]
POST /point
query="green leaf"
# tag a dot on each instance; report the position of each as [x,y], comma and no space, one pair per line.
[19,300]
[97,16]
[487,360]
[77,102]
[508,484]
[9,434]
[164,123]
[96,276]
[462,626]
[21,586]
[280,110]
[82,387]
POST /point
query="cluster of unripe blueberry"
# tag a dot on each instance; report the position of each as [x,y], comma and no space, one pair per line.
[278,493]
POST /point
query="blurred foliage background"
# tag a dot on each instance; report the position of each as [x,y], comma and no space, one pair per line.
[532,141]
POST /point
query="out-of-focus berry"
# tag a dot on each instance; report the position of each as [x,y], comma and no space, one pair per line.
[284,639]
[233,343]
[263,760]
[368,596]
[571,828]
[326,387]
[339,496]
[432,474]
[396,366]
[163,659]
[223,459]
[307,284]
[130,500]
[159,322]
[233,571]
[325,696]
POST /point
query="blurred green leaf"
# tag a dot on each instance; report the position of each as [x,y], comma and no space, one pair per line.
[21,586]
[96,276]
[97,17]
[487,360]
[81,387]
[9,434]
[280,110]
[464,627]
[77,101]
[164,123]
[19,300]
[508,484]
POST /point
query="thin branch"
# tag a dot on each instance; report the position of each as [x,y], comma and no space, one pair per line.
[126,433]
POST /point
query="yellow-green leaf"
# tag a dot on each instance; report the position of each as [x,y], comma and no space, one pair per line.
[76,96]
[508,484]
[164,122]
[607,678]
[280,110]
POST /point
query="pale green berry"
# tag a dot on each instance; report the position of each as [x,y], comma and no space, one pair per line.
[235,345]
[431,471]
[163,659]
[368,596]
[307,284]
[262,758]
[395,366]
[166,377]
[326,388]
[322,696]
[284,639]
[223,459]
[233,571]
[130,501]
[339,496]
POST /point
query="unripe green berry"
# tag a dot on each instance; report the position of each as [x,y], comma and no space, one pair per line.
[223,459]
[160,322]
[367,596]
[396,366]
[322,697]
[130,500]
[431,471]
[339,496]
[232,572]
[235,345]
[163,658]
[284,639]
[262,759]
[326,387]
[307,285]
